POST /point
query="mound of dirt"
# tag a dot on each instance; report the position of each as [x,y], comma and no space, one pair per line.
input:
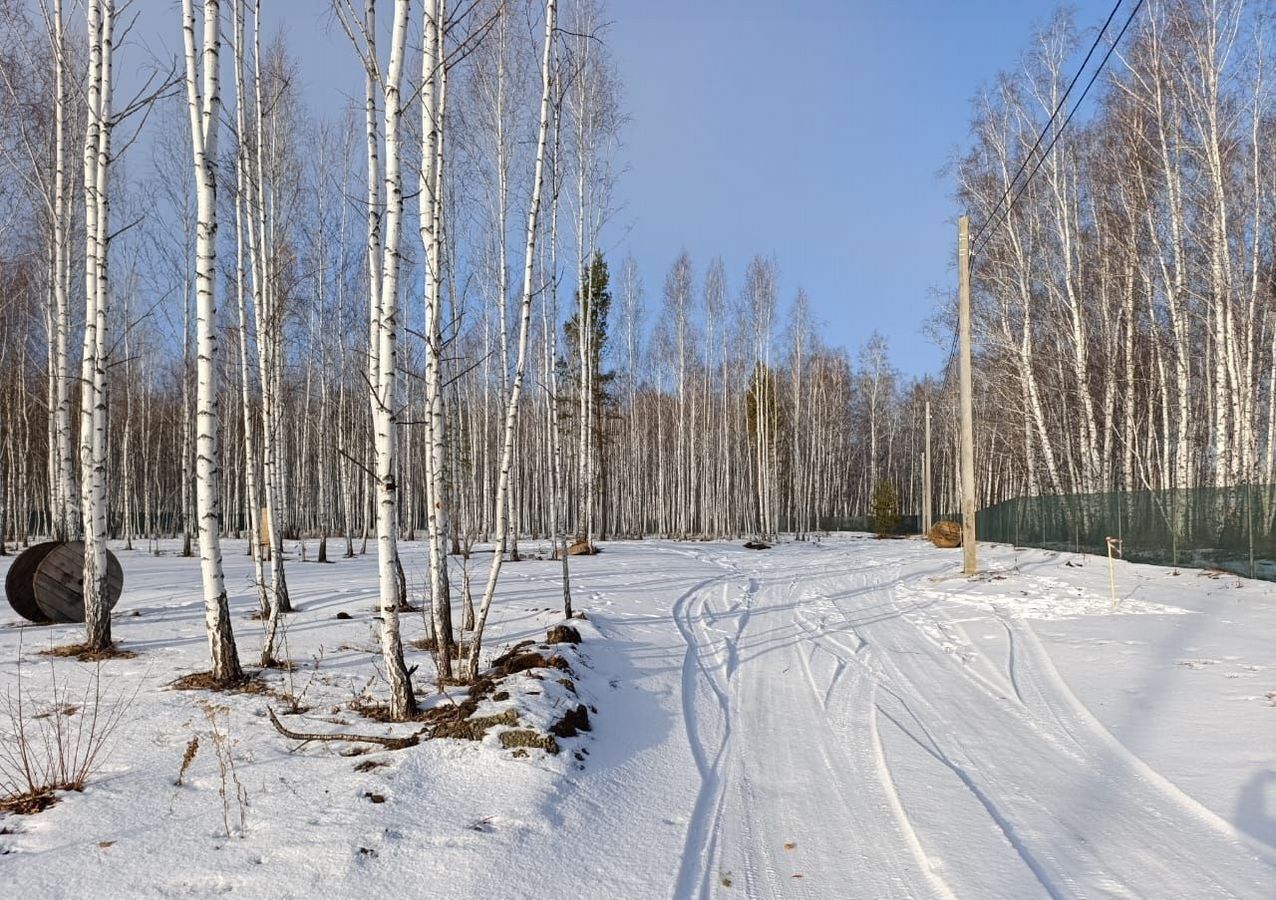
[458,720]
[473,728]
[532,659]
[573,723]
[525,737]
[562,634]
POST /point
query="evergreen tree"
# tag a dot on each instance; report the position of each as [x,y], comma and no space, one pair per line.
[592,386]
[885,509]
[597,309]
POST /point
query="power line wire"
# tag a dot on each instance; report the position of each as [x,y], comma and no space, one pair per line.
[1045,153]
[1053,115]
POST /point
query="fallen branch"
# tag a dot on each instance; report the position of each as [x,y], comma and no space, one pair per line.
[390,743]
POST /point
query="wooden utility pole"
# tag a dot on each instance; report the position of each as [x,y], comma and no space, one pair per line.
[928,515]
[967,401]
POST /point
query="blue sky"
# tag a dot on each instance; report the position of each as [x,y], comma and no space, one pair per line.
[813,131]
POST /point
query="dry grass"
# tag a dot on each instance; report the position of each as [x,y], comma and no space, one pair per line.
[380,712]
[204,681]
[192,747]
[83,653]
[945,534]
[29,803]
[233,794]
[431,645]
[47,747]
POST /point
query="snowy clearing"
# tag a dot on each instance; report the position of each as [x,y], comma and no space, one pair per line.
[838,719]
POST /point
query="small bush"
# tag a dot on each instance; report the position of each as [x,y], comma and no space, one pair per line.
[54,746]
[885,510]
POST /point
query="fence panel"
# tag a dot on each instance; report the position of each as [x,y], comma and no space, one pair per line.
[1232,528]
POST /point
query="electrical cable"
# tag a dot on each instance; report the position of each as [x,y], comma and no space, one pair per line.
[1041,136]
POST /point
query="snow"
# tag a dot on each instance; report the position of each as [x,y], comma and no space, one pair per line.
[843,719]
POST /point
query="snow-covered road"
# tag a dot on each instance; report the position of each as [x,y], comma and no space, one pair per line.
[841,719]
[850,749]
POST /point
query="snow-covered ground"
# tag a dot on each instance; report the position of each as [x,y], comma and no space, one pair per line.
[842,719]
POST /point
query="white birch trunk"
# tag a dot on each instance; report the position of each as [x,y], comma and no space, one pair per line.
[93,416]
[525,314]
[205,110]
[433,98]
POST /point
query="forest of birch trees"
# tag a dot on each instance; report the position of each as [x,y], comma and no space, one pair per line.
[1125,308]
[703,405]
[237,319]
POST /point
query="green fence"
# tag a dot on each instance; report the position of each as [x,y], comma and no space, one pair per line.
[907,524]
[1230,528]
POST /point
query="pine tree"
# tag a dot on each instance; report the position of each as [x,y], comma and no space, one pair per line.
[584,377]
[885,509]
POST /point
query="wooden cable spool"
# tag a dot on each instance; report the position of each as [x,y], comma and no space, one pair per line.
[46,582]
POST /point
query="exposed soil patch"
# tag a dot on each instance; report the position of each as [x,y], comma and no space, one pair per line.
[532,660]
[562,634]
[525,737]
[83,653]
[573,723]
[204,681]
[473,728]
[511,652]
[380,712]
[431,645]
[30,803]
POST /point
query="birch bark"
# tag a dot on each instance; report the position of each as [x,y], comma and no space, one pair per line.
[204,104]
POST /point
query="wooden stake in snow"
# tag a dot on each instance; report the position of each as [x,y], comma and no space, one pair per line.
[1114,545]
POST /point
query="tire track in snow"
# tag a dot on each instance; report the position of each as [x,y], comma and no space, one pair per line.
[1010,658]
[931,747]
[801,812]
[900,770]
[694,872]
[897,808]
[1082,810]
